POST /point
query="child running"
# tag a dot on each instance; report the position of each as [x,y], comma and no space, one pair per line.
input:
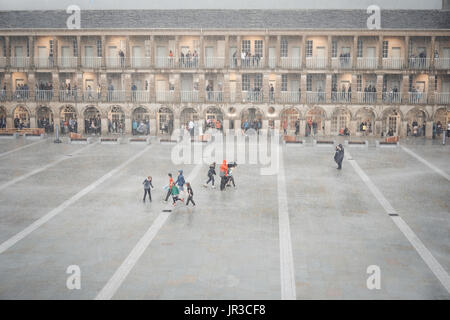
[175,192]
[190,194]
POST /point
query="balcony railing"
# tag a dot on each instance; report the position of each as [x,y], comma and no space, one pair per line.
[189,96]
[91,62]
[20,62]
[367,63]
[252,63]
[419,63]
[2,62]
[91,95]
[140,62]
[341,97]
[290,96]
[442,63]
[442,98]
[214,62]
[116,96]
[165,96]
[417,97]
[140,96]
[233,62]
[290,62]
[43,95]
[70,95]
[367,97]
[341,63]
[43,62]
[252,96]
[316,62]
[188,63]
[272,62]
[67,62]
[166,62]
[3,95]
[315,97]
[392,97]
[115,62]
[214,96]
[20,95]
[393,63]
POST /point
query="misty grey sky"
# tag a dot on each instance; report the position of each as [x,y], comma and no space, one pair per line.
[218,4]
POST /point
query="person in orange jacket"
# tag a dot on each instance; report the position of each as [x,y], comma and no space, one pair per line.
[169,189]
[223,174]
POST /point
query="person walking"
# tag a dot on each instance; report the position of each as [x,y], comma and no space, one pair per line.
[175,193]
[211,174]
[190,194]
[147,184]
[339,156]
[223,174]
[169,187]
[180,180]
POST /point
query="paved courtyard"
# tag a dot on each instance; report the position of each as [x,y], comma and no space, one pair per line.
[309,232]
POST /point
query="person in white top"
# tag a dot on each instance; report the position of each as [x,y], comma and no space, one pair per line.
[191,127]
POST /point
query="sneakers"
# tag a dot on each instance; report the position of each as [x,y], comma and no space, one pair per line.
[213,187]
[206,186]
[182,199]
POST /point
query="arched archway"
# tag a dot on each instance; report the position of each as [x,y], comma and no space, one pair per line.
[2,117]
[187,115]
[141,121]
[251,118]
[416,122]
[213,118]
[315,121]
[116,120]
[92,121]
[340,121]
[391,122]
[290,121]
[44,118]
[365,121]
[68,120]
[21,118]
[441,119]
[165,120]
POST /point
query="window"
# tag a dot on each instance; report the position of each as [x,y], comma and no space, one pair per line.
[384,83]
[99,48]
[410,48]
[334,49]
[284,82]
[51,46]
[411,80]
[435,83]
[28,47]
[258,81]
[309,82]
[246,47]
[385,49]
[147,44]
[259,48]
[359,83]
[75,47]
[284,48]
[309,48]
[360,48]
[334,81]
[245,82]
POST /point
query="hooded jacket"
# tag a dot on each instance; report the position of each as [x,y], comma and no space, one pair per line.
[224,168]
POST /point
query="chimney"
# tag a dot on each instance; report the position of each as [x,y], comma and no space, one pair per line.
[445,4]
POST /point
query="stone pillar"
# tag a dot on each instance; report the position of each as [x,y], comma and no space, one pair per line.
[303,50]
[277,88]
[202,55]
[430,89]
[327,127]
[239,51]
[128,126]
[328,88]
[402,128]
[126,78]
[238,87]
[152,51]
[227,53]
[379,88]
[266,51]
[354,84]
[353,126]
[153,126]
[378,127]
[406,53]
[9,88]
[277,125]
[103,41]
[8,51]
[79,53]
[104,86]
[177,52]
[9,121]
[355,52]
[303,88]
[127,52]
[152,87]
[80,125]
[277,52]
[80,84]
[380,51]
[302,131]
[266,87]
[429,129]
[201,87]
[31,85]
[177,86]
[104,122]
[433,47]
[31,44]
[237,126]
[55,52]
[226,125]
[55,83]
[405,89]
[176,121]
[329,46]
[226,87]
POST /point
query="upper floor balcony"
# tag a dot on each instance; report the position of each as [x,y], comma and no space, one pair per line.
[419,63]
[392,97]
[115,62]
[165,96]
[366,97]
[442,63]
[341,63]
[20,62]
[43,62]
[291,62]
[140,96]
[315,97]
[91,62]
[214,96]
[341,97]
[442,97]
[2,62]
[290,96]
[254,62]
[417,97]
[393,63]
[252,96]
[189,96]
[67,62]
[140,62]
[367,63]
[214,62]
[316,62]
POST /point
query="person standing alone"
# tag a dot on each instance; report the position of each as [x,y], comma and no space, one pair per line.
[339,156]
[147,184]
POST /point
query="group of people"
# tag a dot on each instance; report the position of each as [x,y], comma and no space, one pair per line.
[68,91]
[44,91]
[140,127]
[391,96]
[226,175]
[189,60]
[93,125]
[370,94]
[415,129]
[174,189]
[297,126]
[213,124]
[346,94]
[247,60]
[20,123]
[438,129]
[3,122]
[418,61]
[365,127]
[22,91]
[69,125]
[252,124]
[46,124]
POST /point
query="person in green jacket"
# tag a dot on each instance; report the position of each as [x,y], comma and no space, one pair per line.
[175,192]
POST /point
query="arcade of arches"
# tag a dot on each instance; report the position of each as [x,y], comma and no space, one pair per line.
[162,120]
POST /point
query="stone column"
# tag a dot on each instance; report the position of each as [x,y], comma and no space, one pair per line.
[379,88]
[152,87]
[55,83]
[238,87]
[327,127]
[104,122]
[266,87]
[177,88]
[277,53]
[402,129]
[430,89]
[9,88]
[31,44]
[55,52]
[126,77]
[127,52]
[226,87]
[406,53]
[354,84]
[80,85]
[303,87]
[237,126]
[31,85]
[405,89]
[152,52]
[355,52]
[433,47]
[302,129]
[303,50]
[239,51]
[104,86]
[128,126]
[80,124]
[202,54]
[329,46]
[153,126]
[8,51]
[266,51]
[79,52]
[429,129]
[226,125]
[277,88]
[103,41]
[378,126]
[328,88]
[227,53]
[201,87]
[353,126]
[176,53]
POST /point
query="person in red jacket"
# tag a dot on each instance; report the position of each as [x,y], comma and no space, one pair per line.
[169,189]
[223,174]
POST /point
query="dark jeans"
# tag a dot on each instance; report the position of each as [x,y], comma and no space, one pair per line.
[149,194]
[211,178]
[168,194]
[339,163]
[231,178]
[223,181]
[190,199]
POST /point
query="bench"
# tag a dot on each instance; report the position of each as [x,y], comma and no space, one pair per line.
[110,140]
[324,143]
[356,143]
[387,144]
[80,140]
[139,140]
